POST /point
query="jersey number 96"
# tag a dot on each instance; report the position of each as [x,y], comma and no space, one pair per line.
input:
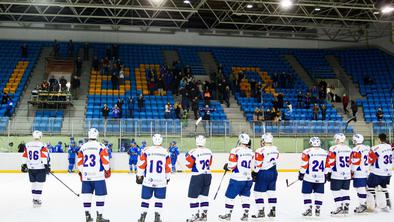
[33,155]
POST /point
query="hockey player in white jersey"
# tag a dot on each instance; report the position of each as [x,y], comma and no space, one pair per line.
[340,174]
[360,168]
[36,163]
[154,174]
[93,166]
[312,173]
[265,176]
[241,181]
[199,160]
[381,160]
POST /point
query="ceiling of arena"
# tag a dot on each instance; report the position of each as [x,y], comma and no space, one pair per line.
[350,20]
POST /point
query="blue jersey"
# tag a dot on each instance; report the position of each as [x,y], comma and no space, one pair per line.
[134,153]
[72,150]
[174,152]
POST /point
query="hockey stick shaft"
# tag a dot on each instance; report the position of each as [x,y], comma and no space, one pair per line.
[290,184]
[220,184]
[64,184]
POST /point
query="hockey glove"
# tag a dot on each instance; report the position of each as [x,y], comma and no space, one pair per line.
[80,176]
[139,179]
[225,167]
[300,176]
[24,168]
[328,176]
[168,180]
[107,173]
[254,176]
[47,168]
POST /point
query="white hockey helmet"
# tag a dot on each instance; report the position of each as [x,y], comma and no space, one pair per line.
[200,140]
[93,134]
[315,142]
[358,139]
[244,138]
[267,138]
[37,134]
[157,139]
[339,138]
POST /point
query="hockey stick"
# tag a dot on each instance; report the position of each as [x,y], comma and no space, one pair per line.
[290,184]
[64,184]
[347,123]
[196,125]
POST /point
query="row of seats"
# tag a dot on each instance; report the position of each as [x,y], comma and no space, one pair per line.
[48,120]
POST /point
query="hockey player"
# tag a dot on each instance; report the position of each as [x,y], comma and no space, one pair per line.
[134,152]
[339,174]
[174,153]
[58,148]
[381,160]
[360,168]
[241,181]
[72,150]
[93,166]
[154,175]
[312,174]
[36,162]
[143,144]
[199,160]
[265,175]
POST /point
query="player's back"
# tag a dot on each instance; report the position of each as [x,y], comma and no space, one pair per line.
[36,155]
[382,160]
[266,157]
[92,161]
[314,162]
[240,161]
[360,164]
[155,161]
[200,160]
[340,162]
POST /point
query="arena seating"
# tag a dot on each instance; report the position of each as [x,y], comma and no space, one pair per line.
[315,63]
[189,56]
[48,120]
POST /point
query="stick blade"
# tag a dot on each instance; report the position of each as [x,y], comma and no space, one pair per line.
[287,182]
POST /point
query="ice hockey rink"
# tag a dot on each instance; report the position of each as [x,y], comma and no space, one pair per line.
[123,200]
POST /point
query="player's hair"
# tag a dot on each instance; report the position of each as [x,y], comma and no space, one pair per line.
[383,137]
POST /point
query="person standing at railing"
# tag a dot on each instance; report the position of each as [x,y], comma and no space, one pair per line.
[134,152]
[174,153]
[72,151]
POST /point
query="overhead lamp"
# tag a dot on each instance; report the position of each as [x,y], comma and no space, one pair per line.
[387,9]
[249,6]
[317,9]
[157,2]
[186,1]
[286,4]
[376,13]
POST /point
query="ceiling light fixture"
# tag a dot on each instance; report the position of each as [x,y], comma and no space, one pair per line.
[249,6]
[286,4]
[387,9]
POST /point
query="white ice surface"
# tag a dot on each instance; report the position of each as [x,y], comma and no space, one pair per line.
[123,201]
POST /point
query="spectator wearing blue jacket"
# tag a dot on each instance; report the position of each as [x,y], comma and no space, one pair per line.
[174,153]
[72,151]
[134,152]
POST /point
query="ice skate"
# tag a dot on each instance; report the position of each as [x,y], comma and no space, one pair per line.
[259,214]
[308,212]
[100,218]
[272,212]
[245,216]
[37,203]
[142,217]
[88,217]
[225,217]
[194,218]
[204,216]
[346,209]
[157,217]
[317,211]
[361,209]
[338,211]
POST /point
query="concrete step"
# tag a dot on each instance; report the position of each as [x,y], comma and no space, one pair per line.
[170,56]
[208,61]
[299,69]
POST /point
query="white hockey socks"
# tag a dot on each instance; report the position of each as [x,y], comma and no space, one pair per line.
[245,202]
[345,196]
[194,205]
[204,202]
[319,199]
[158,206]
[36,190]
[100,200]
[87,201]
[362,195]
[307,200]
[259,200]
[272,200]
[229,205]
[337,198]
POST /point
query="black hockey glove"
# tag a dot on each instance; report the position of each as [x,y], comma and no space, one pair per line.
[139,179]
[254,176]
[300,176]
[47,168]
[328,176]
[24,168]
[225,167]
[168,180]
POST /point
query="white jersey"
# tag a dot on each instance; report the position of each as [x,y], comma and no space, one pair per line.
[314,164]
[381,160]
[265,158]
[93,160]
[339,162]
[35,155]
[359,159]
[240,163]
[154,164]
[199,160]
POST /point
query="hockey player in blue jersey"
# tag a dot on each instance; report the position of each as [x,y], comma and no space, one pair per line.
[110,150]
[58,148]
[143,145]
[50,148]
[72,151]
[174,153]
[134,152]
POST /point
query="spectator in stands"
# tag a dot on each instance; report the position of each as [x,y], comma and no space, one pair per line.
[24,51]
[5,98]
[119,103]
[207,97]
[78,66]
[206,112]
[379,114]
[115,51]
[121,75]
[105,111]
[289,106]
[345,103]
[63,83]
[315,110]
[354,108]
[323,108]
[86,48]
[141,102]
[116,112]
[152,86]
[167,111]
[56,48]
[256,115]
[288,113]
[244,88]
[160,85]
[226,96]
[8,108]
[178,110]
[75,84]
[280,100]
[105,66]
[95,64]
[115,81]
[268,115]
[45,85]
[195,101]
[307,100]
[300,99]
[130,107]
[70,48]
